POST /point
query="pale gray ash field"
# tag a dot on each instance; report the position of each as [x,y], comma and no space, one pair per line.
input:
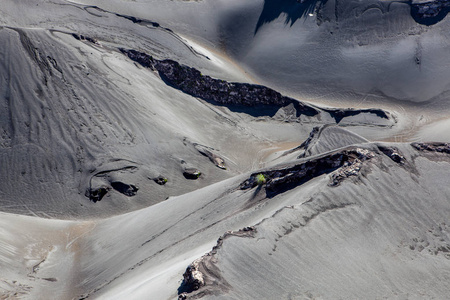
[224,149]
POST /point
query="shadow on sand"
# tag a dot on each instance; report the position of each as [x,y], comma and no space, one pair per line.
[293,9]
[427,13]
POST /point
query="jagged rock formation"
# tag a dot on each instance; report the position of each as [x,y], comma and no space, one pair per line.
[97,194]
[192,82]
[191,173]
[81,37]
[202,277]
[131,150]
[355,239]
[348,162]
[351,167]
[433,147]
[310,138]
[161,180]
[193,278]
[429,12]
[393,154]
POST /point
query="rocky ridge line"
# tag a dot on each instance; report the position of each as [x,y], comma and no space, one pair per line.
[202,277]
[349,162]
[192,82]
[433,147]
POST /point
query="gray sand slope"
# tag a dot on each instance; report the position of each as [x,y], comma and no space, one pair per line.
[224,149]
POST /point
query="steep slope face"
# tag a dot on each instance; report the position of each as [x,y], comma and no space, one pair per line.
[327,138]
[382,234]
[382,231]
[342,47]
[331,50]
[114,115]
[87,132]
[73,122]
[81,123]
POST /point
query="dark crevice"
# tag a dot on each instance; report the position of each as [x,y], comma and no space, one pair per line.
[81,37]
[139,21]
[339,114]
[123,188]
[96,194]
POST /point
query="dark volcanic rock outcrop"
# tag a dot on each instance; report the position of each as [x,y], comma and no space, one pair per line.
[311,136]
[161,180]
[352,165]
[430,12]
[142,58]
[202,276]
[347,162]
[192,82]
[192,277]
[126,189]
[81,37]
[191,173]
[433,147]
[393,154]
[97,194]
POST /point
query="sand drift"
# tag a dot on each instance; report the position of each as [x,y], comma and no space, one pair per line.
[220,149]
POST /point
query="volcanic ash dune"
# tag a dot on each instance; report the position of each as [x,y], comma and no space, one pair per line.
[165,150]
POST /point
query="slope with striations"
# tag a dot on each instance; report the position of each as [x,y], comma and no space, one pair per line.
[150,123]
